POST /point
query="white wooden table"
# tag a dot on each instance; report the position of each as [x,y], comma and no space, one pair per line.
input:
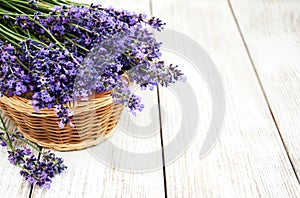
[255,45]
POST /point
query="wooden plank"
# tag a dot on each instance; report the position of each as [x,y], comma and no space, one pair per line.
[87,177]
[249,159]
[271,31]
[12,183]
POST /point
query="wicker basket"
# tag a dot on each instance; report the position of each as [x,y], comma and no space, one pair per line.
[94,120]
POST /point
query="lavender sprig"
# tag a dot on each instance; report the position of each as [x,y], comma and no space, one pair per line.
[35,171]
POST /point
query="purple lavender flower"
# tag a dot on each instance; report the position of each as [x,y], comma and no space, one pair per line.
[65,114]
[17,156]
[5,16]
[3,143]
[33,3]
[39,172]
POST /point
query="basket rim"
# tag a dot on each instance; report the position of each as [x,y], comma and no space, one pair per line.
[25,105]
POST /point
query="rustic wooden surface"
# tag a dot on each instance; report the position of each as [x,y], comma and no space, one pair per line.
[255,47]
[272,35]
[249,159]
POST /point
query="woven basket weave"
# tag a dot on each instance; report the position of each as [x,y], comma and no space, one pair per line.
[94,121]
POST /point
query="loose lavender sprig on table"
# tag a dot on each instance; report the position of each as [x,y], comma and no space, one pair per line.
[36,171]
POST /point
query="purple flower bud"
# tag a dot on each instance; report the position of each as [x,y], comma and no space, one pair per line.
[3,143]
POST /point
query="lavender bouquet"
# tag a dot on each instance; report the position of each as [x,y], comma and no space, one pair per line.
[56,51]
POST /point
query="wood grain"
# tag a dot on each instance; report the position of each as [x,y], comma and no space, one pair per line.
[272,33]
[249,159]
[88,177]
[12,183]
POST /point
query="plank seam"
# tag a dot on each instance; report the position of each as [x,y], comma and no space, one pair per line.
[162,144]
[160,124]
[262,88]
[30,192]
